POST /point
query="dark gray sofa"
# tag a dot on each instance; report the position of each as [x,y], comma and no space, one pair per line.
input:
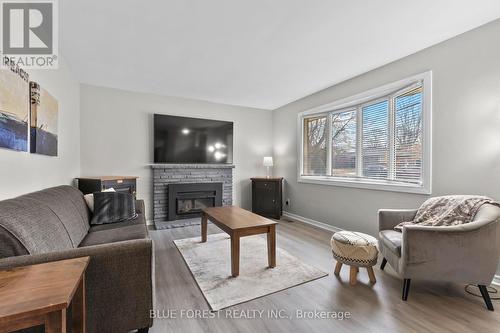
[53,224]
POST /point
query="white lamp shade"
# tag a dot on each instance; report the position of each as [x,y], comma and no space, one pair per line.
[268,161]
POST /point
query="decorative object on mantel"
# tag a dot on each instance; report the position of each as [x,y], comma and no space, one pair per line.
[101,183]
[44,112]
[267,196]
[268,163]
[14,109]
[167,174]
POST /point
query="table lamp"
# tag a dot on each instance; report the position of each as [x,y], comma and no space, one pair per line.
[268,162]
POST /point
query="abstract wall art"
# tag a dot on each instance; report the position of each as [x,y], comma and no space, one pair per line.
[43,121]
[14,108]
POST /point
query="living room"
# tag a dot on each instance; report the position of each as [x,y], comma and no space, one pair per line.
[191,166]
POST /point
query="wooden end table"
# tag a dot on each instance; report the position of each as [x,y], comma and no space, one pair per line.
[237,223]
[40,295]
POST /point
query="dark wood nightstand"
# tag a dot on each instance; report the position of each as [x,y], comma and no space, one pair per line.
[267,196]
[97,184]
[41,294]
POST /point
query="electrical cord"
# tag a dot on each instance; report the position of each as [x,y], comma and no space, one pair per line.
[491,291]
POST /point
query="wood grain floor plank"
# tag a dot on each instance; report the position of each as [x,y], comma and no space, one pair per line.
[431,307]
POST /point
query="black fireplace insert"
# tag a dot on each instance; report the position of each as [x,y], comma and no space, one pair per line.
[187,200]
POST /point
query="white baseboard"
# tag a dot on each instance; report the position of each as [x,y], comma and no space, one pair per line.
[496,280]
[318,224]
[328,227]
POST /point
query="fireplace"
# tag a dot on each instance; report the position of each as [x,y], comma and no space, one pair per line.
[167,176]
[187,200]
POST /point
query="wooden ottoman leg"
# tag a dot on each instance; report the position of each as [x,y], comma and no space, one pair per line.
[371,274]
[338,267]
[352,275]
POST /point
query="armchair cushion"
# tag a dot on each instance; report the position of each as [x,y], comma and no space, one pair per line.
[391,239]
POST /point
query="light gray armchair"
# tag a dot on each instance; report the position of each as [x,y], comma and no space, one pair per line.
[467,253]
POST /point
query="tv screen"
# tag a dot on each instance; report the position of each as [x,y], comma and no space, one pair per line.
[192,140]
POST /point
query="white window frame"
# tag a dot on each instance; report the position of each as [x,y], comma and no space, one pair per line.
[391,89]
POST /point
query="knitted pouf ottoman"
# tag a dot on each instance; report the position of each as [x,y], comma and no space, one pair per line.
[356,250]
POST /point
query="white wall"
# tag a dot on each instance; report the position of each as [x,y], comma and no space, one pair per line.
[22,172]
[466,131]
[117,136]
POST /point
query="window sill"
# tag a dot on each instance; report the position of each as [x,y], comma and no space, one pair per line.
[365,184]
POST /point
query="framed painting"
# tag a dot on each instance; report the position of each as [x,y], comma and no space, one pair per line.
[43,121]
[14,109]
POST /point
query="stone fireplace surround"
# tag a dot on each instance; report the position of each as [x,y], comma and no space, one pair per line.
[165,174]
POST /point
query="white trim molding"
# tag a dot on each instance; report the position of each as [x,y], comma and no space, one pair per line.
[390,90]
[318,224]
[328,227]
[364,183]
[496,280]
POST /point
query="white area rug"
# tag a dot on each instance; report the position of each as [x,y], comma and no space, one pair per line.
[210,264]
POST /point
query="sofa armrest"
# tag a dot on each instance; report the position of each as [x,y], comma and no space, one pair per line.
[140,207]
[119,288]
[389,218]
[463,253]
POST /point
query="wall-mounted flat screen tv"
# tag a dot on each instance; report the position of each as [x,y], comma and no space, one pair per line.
[192,140]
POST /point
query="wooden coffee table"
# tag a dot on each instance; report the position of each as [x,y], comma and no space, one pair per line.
[237,223]
[40,295]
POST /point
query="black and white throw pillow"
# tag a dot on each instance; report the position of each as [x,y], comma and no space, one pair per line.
[112,207]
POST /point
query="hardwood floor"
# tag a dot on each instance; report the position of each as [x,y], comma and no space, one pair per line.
[431,307]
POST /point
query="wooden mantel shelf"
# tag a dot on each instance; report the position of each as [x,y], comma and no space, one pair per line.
[109,177]
[192,166]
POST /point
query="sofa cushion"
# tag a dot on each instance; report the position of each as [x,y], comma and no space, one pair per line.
[131,230]
[33,225]
[68,204]
[110,226]
[10,246]
[391,239]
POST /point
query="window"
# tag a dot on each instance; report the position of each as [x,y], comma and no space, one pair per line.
[375,140]
[379,139]
[344,144]
[315,145]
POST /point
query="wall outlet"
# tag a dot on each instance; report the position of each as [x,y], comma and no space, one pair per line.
[288,203]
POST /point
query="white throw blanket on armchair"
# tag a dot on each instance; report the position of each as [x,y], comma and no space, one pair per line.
[448,210]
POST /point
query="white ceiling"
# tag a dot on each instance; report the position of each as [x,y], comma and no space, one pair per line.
[258,53]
